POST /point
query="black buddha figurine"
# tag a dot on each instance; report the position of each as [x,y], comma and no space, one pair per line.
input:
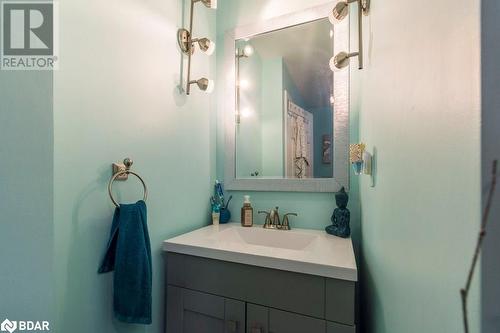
[341,216]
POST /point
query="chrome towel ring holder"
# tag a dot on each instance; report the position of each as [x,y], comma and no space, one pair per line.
[122,172]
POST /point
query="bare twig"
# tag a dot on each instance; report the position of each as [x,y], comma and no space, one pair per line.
[482,233]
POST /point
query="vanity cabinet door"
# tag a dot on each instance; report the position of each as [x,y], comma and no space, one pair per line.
[257,319]
[194,312]
[234,316]
[286,322]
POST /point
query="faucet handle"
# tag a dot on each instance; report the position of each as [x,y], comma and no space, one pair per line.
[267,221]
[286,223]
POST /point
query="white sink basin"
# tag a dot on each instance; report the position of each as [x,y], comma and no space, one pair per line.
[264,237]
[298,250]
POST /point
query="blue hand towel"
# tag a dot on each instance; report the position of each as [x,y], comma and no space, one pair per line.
[129,256]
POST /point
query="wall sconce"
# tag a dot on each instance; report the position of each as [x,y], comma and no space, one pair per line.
[205,44]
[187,45]
[339,12]
[246,52]
[341,60]
[361,160]
[204,84]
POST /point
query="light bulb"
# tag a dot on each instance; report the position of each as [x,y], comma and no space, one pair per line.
[244,84]
[341,60]
[248,50]
[212,4]
[207,46]
[205,85]
[339,12]
[210,87]
[211,49]
[331,33]
[332,19]
[332,65]
[246,113]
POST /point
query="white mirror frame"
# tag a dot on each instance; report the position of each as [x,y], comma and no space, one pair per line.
[341,108]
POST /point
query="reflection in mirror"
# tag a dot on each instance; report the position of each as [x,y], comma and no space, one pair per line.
[284,103]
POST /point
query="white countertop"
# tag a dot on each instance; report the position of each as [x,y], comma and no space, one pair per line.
[298,250]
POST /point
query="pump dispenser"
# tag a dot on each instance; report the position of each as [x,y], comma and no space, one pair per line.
[247,213]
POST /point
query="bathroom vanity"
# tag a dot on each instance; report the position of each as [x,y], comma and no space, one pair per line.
[233,279]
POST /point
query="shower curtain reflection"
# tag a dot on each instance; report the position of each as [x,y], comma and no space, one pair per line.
[299,133]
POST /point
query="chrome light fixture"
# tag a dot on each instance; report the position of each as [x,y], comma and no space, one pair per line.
[206,45]
[208,3]
[246,52]
[340,12]
[204,84]
[341,60]
[341,9]
[187,45]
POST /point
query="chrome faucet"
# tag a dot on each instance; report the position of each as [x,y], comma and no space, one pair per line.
[273,220]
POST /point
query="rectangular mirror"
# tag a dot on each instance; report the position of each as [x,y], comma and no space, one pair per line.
[287,114]
[284,97]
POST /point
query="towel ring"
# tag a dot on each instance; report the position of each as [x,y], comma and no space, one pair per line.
[128,163]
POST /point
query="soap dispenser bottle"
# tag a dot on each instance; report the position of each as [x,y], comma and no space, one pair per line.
[247,213]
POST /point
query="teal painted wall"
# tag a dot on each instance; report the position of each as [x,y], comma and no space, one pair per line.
[26,196]
[116,95]
[248,132]
[291,88]
[421,218]
[323,118]
[272,118]
[422,118]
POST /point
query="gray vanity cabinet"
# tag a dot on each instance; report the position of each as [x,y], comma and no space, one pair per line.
[257,319]
[212,296]
[190,311]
